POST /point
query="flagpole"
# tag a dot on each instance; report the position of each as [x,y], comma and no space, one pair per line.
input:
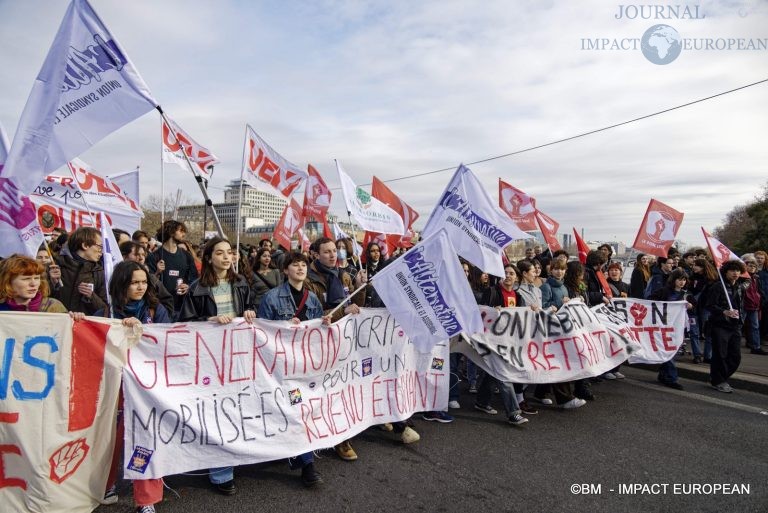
[354,239]
[198,178]
[82,195]
[727,297]
[162,178]
[240,195]
[347,299]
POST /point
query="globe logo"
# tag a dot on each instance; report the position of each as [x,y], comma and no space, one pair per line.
[661,44]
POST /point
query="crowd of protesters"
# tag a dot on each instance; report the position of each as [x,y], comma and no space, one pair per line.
[166,279]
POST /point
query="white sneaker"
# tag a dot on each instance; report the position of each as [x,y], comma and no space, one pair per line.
[409,436]
[619,375]
[454,405]
[573,403]
[609,376]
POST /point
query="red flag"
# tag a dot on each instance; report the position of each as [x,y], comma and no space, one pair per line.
[658,230]
[519,206]
[548,228]
[581,246]
[289,223]
[720,253]
[381,240]
[304,240]
[384,194]
[317,199]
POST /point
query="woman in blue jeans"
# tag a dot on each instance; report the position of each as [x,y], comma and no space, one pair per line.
[293,301]
[220,295]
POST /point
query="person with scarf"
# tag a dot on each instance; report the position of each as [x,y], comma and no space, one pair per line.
[82,287]
[333,287]
[676,289]
[23,288]
[135,302]
[374,262]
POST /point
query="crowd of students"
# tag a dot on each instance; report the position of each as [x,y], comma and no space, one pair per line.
[173,280]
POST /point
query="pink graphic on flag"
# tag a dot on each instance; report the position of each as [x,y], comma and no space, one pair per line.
[658,230]
[519,206]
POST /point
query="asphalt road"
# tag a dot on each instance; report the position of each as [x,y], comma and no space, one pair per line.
[636,433]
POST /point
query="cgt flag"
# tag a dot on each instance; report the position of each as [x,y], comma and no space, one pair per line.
[197,154]
[519,206]
[477,228]
[658,230]
[289,223]
[317,199]
[428,294]
[372,214]
[263,165]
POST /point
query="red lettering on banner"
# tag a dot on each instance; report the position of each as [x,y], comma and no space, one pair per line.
[374,400]
[306,418]
[435,377]
[613,347]
[168,358]
[319,416]
[650,330]
[332,414]
[218,364]
[532,355]
[257,351]
[10,482]
[561,341]
[89,341]
[548,356]
[233,354]
[666,340]
[152,362]
[580,352]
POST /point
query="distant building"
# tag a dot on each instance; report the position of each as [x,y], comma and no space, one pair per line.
[259,209]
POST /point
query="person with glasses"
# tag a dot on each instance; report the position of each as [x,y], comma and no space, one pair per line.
[752,298]
[82,287]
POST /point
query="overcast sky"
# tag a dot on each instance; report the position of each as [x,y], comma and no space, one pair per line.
[395,88]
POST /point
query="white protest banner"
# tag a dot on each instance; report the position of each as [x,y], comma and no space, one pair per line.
[427,291]
[478,229]
[657,326]
[59,385]
[175,147]
[263,165]
[523,346]
[60,204]
[372,214]
[201,395]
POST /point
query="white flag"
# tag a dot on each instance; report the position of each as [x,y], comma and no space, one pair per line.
[372,214]
[111,251]
[19,229]
[427,292]
[4,145]
[263,165]
[175,147]
[478,229]
[86,89]
[63,201]
[338,233]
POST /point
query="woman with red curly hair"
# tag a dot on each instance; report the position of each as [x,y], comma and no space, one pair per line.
[23,287]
